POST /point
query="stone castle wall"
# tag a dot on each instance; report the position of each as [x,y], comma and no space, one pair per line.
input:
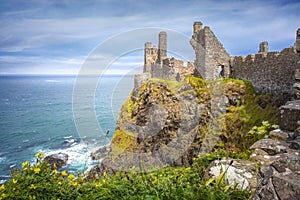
[270,73]
[210,53]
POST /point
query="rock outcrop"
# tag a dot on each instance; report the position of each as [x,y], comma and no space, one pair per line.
[59,160]
[279,175]
[279,157]
[168,122]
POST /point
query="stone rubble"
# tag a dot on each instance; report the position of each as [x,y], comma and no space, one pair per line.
[274,172]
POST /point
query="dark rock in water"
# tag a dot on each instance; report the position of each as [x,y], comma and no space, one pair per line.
[59,159]
[68,143]
[100,153]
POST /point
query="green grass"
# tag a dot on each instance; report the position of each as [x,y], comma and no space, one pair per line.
[165,183]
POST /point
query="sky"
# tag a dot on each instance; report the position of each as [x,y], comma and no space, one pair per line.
[57,36]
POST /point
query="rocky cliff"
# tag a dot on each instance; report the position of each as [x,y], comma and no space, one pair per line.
[170,122]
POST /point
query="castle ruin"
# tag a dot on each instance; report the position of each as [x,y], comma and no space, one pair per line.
[158,65]
[270,72]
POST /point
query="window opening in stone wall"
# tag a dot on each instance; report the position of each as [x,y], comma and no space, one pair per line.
[221,71]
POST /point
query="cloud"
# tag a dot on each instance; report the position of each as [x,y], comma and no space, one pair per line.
[38,65]
[71,29]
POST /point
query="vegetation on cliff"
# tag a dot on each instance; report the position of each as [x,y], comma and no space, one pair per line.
[246,117]
[40,181]
[242,110]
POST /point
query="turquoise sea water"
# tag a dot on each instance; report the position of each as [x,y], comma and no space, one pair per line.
[36,115]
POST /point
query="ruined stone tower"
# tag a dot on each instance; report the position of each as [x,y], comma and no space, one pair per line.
[162,46]
[197,27]
[263,47]
[150,56]
[153,55]
[212,59]
[297,43]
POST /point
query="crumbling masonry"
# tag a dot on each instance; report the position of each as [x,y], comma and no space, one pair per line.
[158,65]
[269,72]
[275,73]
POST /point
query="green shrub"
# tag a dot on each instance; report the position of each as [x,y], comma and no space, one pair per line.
[39,181]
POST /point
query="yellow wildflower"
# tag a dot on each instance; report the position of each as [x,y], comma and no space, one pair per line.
[74,183]
[194,159]
[25,165]
[32,186]
[71,176]
[59,183]
[104,174]
[14,181]
[160,175]
[32,197]
[99,185]
[40,155]
[54,171]
[154,181]
[36,170]
[3,196]
[64,173]
[2,187]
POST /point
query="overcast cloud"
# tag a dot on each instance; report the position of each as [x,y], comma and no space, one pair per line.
[55,37]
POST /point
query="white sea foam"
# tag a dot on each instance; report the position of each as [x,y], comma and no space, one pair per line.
[79,157]
[52,81]
[12,166]
[67,137]
[2,159]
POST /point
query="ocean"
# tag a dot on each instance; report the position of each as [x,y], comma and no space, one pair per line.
[36,114]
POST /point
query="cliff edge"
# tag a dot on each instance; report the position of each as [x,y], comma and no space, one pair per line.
[170,122]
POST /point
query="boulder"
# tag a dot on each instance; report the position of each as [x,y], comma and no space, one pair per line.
[272,147]
[279,134]
[100,153]
[58,159]
[263,157]
[287,185]
[240,173]
[290,115]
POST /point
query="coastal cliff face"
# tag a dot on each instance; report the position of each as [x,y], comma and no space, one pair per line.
[170,122]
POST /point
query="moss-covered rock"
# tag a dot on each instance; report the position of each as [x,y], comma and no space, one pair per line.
[170,122]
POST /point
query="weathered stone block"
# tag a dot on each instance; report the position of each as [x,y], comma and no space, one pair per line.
[239,173]
[279,134]
[287,186]
[271,146]
[297,74]
[290,116]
